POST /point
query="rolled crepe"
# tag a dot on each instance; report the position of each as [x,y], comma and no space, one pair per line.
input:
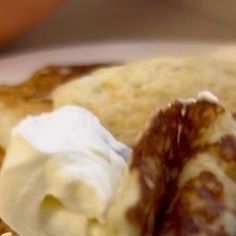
[201,191]
[186,164]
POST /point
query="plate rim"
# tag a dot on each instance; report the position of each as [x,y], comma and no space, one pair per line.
[17,67]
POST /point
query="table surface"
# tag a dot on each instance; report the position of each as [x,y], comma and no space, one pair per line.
[81,22]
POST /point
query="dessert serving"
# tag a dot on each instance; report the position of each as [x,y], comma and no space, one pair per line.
[124,150]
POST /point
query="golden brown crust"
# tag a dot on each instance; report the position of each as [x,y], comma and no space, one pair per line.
[33,96]
[4,228]
[2,153]
[199,205]
[150,160]
[187,217]
[179,190]
[45,80]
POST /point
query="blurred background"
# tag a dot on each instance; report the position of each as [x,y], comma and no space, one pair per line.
[78,22]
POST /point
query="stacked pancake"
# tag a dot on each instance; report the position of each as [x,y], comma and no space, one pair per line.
[181,174]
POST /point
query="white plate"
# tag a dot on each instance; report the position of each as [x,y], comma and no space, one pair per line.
[16,68]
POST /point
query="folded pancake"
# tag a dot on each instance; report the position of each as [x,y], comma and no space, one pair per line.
[201,188]
[134,91]
[186,165]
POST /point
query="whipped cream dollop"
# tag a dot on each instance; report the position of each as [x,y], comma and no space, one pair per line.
[60,173]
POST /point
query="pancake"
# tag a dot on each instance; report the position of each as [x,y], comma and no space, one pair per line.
[125,97]
[185,164]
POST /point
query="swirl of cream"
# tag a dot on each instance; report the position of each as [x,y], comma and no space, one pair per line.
[60,174]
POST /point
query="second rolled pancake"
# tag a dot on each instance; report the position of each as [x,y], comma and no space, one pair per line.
[186,165]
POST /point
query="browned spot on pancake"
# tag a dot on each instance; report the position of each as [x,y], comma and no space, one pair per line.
[5,228]
[226,147]
[2,153]
[225,151]
[234,116]
[199,116]
[199,204]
